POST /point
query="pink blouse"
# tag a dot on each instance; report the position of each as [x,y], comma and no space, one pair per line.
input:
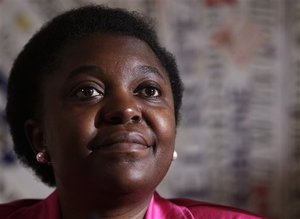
[159,208]
[190,209]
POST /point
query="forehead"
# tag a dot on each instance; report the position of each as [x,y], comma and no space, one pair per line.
[108,49]
[106,41]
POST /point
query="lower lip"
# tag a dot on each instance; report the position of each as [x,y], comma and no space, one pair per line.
[123,147]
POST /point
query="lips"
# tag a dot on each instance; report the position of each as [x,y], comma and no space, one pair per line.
[122,141]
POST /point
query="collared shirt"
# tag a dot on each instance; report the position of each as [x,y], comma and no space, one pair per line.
[159,208]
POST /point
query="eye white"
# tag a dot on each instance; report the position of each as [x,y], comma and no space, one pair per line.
[150,92]
[88,92]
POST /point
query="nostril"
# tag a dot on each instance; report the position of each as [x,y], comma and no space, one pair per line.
[115,120]
[136,119]
[122,116]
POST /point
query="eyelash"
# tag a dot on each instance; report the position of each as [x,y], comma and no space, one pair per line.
[143,91]
[80,93]
[90,92]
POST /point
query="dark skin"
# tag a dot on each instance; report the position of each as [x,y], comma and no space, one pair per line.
[107,125]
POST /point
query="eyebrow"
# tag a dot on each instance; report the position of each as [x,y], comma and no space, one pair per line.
[95,70]
[86,69]
[146,69]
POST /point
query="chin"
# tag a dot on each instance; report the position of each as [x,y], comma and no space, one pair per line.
[122,176]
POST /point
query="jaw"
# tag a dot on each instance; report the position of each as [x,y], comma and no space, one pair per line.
[87,202]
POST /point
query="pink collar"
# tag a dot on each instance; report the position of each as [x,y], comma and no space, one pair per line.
[49,208]
[162,208]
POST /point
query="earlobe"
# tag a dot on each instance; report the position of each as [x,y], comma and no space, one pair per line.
[35,136]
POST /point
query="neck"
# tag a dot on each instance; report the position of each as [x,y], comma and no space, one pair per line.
[112,206]
[130,215]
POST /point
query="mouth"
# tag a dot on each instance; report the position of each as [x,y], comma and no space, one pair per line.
[121,142]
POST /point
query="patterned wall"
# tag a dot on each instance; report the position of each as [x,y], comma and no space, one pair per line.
[238,142]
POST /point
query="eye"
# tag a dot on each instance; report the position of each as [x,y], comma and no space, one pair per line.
[87,93]
[150,91]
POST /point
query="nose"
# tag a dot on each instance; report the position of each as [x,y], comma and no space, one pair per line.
[121,109]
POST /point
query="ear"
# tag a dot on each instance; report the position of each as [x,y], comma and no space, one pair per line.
[35,135]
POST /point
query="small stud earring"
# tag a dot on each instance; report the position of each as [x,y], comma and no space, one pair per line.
[175,155]
[41,157]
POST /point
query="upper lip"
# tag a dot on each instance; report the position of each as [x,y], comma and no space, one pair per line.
[119,137]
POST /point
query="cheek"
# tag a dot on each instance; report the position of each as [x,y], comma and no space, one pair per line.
[165,129]
[163,125]
[68,135]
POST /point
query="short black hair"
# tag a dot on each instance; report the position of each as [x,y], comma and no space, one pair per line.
[40,54]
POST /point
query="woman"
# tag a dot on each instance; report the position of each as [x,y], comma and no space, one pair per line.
[93,102]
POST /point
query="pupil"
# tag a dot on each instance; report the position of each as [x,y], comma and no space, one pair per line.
[150,91]
[87,92]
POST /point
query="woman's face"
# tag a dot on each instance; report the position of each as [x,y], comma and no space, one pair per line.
[108,115]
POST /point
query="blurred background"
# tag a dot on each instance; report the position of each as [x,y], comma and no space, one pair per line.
[238,141]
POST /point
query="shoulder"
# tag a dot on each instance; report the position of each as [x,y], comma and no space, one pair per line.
[32,208]
[9,208]
[210,211]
